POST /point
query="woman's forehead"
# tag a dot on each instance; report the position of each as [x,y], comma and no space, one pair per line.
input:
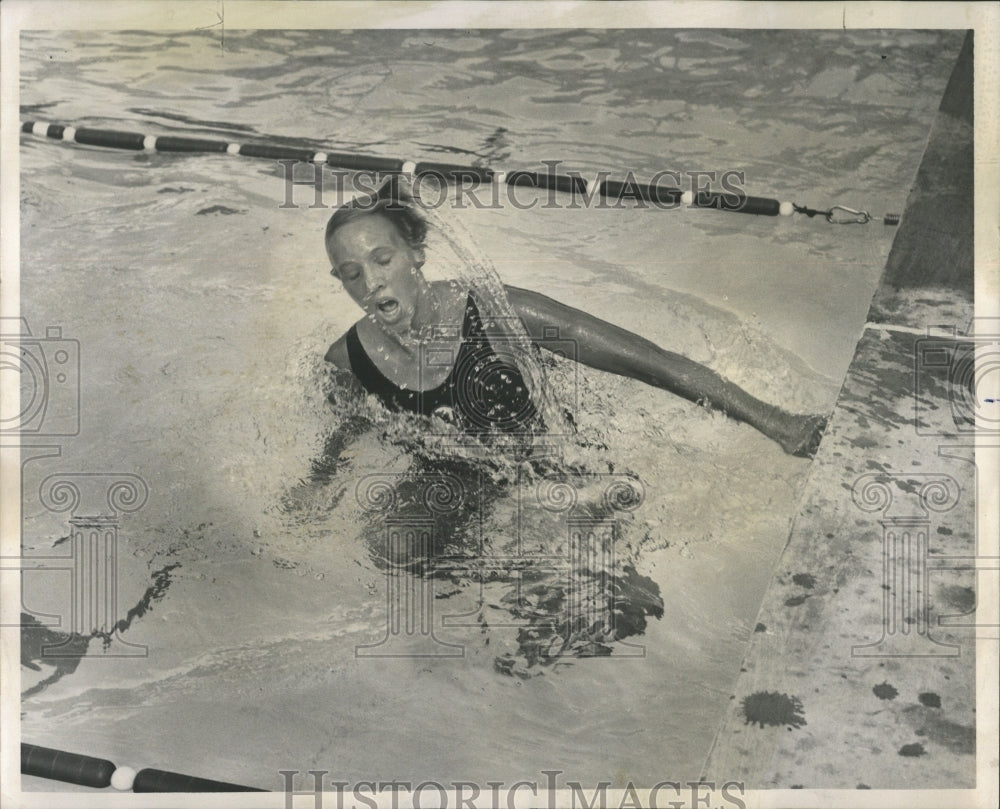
[365,233]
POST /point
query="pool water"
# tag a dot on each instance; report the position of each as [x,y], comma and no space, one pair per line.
[203,307]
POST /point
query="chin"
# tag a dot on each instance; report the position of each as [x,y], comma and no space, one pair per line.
[399,323]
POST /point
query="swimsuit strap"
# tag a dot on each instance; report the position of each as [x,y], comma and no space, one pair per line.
[492,393]
[373,380]
[474,339]
[472,326]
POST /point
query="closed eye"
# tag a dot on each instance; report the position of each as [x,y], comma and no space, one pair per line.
[349,272]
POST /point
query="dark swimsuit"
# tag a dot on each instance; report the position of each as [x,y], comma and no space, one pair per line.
[483,392]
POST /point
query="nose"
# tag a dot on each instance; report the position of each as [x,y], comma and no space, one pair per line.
[374,282]
[376,277]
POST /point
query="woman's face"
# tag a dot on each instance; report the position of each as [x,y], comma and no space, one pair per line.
[379,269]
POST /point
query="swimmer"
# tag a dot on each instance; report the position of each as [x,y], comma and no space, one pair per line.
[376,247]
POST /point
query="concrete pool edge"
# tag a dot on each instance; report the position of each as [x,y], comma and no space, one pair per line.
[860,671]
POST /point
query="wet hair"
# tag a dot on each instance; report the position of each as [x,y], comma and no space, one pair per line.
[391,201]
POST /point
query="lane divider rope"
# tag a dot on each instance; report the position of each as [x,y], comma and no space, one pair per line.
[606,188]
[99,773]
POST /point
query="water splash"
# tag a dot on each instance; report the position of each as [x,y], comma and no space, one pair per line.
[475,271]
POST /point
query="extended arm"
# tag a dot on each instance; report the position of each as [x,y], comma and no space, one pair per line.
[607,347]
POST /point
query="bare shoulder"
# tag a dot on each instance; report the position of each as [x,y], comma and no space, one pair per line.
[453,296]
[337,353]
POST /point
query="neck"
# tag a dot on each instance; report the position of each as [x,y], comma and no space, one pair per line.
[428,309]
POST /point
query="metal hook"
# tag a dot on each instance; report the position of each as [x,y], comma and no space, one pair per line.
[854,217]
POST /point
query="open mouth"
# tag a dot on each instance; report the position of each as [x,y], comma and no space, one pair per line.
[388,307]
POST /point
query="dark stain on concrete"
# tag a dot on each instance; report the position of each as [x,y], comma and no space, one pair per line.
[885,691]
[931,724]
[771,709]
[912,750]
[806,580]
[957,738]
[961,599]
[795,601]
[930,699]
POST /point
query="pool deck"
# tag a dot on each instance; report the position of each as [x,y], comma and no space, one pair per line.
[860,672]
